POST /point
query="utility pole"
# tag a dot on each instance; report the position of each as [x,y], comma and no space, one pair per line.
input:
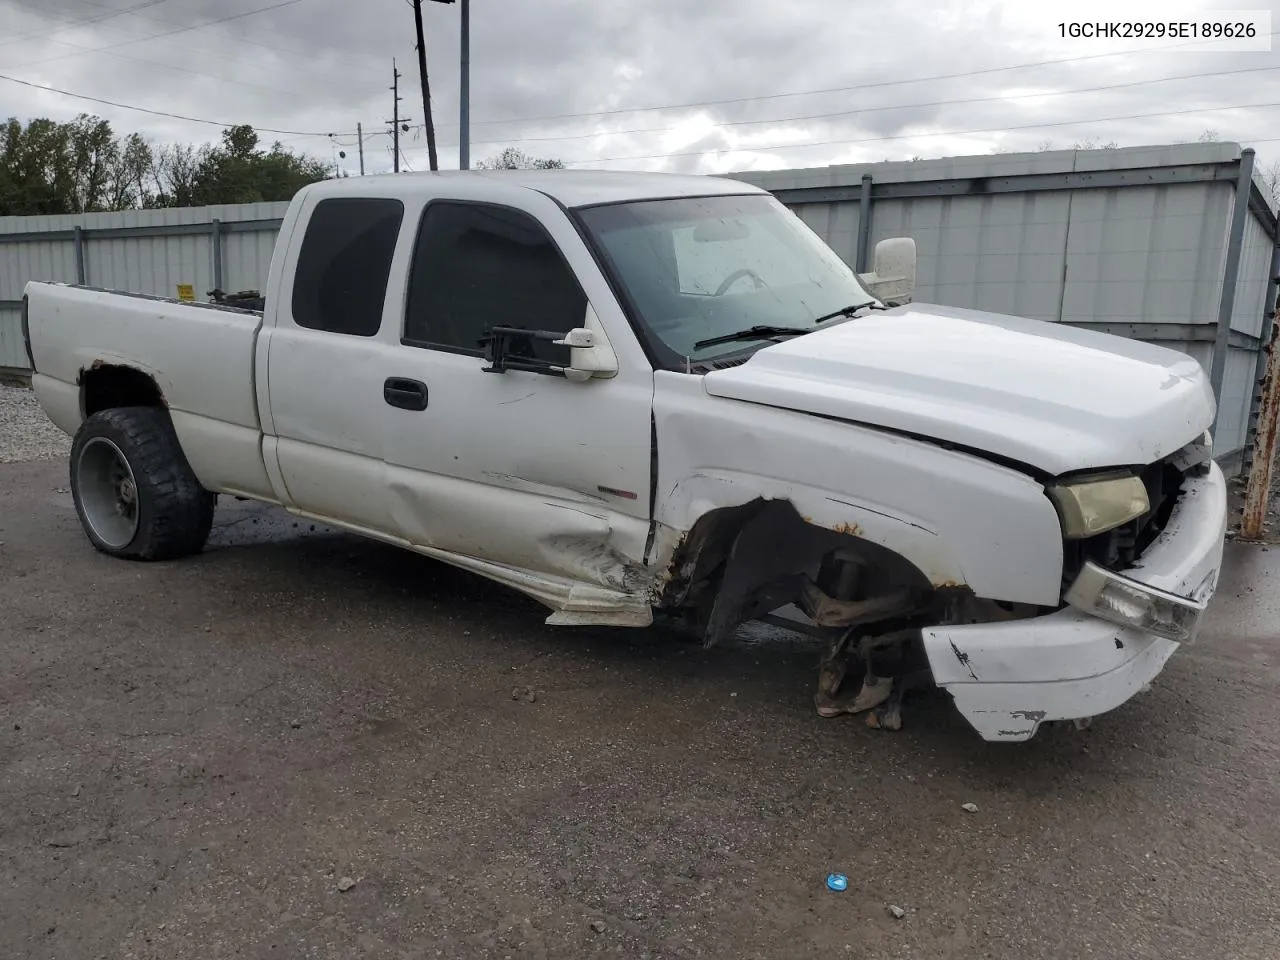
[464,131]
[396,120]
[426,86]
[360,140]
[395,114]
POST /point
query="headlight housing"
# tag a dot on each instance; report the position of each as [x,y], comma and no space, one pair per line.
[1092,506]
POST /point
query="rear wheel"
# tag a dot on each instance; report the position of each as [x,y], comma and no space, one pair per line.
[133,488]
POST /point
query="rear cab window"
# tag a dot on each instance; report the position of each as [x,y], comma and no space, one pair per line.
[344,264]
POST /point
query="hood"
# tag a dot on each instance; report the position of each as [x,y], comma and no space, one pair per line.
[1047,395]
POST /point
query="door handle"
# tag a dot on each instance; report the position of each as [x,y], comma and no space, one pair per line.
[405,394]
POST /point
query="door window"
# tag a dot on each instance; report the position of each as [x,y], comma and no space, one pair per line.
[477,266]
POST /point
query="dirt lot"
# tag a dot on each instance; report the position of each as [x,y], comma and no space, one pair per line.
[195,756]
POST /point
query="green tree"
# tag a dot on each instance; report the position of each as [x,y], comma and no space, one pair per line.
[81,166]
[238,171]
[35,172]
[175,170]
[128,178]
[93,156]
[516,159]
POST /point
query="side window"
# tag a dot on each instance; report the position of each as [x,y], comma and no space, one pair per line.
[341,279]
[477,266]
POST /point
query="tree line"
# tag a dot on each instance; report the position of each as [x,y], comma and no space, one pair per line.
[84,166]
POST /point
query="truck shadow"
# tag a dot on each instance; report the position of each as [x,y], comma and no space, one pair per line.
[766,674]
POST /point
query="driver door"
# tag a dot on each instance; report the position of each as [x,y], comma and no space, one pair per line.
[521,469]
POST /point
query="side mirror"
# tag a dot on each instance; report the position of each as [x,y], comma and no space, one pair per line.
[590,355]
[894,279]
[589,352]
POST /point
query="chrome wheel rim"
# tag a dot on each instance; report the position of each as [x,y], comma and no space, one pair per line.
[108,492]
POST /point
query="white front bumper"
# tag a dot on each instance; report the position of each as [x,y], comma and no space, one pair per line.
[1009,677]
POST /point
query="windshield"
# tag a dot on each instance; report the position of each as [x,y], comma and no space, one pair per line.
[699,268]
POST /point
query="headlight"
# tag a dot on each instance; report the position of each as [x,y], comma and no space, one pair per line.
[1089,507]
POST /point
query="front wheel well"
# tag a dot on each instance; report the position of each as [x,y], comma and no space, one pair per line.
[106,386]
[739,562]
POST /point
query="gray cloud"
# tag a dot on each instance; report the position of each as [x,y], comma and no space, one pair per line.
[320,66]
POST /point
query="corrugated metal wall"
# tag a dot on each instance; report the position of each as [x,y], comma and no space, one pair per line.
[1128,241]
[146,259]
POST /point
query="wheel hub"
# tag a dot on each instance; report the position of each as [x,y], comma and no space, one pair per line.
[126,497]
[107,492]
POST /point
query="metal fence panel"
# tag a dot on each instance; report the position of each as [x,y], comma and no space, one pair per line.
[152,265]
[246,258]
[12,353]
[996,253]
[47,260]
[1146,255]
[1247,314]
[1237,400]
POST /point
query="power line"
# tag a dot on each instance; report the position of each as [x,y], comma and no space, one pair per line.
[195,73]
[274,46]
[881,109]
[154,113]
[847,89]
[170,66]
[937,133]
[72,22]
[157,36]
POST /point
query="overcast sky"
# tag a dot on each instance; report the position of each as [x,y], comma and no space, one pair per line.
[814,82]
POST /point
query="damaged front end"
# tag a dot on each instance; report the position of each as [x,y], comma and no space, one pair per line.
[763,561]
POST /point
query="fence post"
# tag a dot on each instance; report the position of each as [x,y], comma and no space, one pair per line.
[1264,412]
[1257,493]
[79,244]
[864,224]
[1260,368]
[215,237]
[1230,275]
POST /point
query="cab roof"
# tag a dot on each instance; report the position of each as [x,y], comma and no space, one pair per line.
[572,188]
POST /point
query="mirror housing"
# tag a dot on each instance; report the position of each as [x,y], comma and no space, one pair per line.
[590,355]
[894,279]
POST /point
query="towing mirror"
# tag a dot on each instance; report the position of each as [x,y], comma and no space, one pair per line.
[894,279]
[590,354]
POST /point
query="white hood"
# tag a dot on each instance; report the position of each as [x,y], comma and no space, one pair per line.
[1047,395]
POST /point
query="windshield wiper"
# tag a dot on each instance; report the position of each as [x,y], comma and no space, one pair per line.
[847,311]
[760,331]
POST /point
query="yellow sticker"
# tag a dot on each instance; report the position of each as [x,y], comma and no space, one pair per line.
[186,292]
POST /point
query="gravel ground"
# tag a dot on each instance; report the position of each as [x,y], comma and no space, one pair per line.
[305,745]
[25,432]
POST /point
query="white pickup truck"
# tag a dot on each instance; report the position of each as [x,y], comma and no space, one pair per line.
[633,394]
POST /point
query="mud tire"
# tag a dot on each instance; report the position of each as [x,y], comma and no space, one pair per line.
[165,513]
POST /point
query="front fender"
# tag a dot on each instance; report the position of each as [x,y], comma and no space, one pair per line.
[958,518]
[910,536]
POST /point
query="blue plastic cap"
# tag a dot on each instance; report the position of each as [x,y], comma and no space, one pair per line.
[837,882]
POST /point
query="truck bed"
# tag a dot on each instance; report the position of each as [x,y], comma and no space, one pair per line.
[200,355]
